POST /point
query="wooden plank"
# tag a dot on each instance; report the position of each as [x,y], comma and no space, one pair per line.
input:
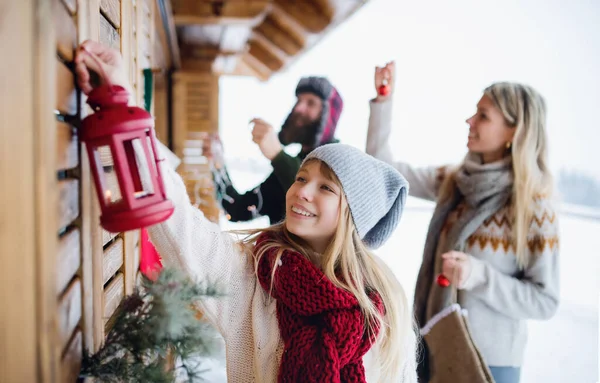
[264,55]
[136,259]
[109,35]
[281,35]
[91,239]
[18,342]
[67,153]
[66,96]
[314,17]
[71,361]
[69,313]
[68,203]
[129,261]
[68,259]
[232,12]
[113,294]
[147,7]
[113,260]
[112,10]
[71,6]
[161,105]
[135,234]
[107,236]
[46,196]
[66,31]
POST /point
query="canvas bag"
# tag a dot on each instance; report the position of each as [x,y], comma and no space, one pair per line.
[453,356]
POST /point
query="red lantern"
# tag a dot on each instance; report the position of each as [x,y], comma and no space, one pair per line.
[124,161]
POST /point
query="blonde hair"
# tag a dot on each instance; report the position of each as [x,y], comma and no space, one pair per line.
[524,109]
[360,273]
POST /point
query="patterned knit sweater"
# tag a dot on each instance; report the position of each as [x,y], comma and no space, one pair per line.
[245,317]
[498,295]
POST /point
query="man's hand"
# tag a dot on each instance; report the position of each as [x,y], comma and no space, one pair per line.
[212,148]
[265,137]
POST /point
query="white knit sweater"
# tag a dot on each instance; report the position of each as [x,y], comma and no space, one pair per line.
[245,317]
[498,294]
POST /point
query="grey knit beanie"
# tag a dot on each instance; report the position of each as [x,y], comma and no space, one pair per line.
[376,192]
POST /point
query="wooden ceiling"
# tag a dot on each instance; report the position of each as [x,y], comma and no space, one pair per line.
[250,37]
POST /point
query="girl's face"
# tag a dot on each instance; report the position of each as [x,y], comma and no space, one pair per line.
[313,206]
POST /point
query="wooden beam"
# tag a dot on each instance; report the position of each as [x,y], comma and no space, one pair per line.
[208,52]
[168,32]
[270,47]
[183,20]
[263,54]
[312,16]
[246,9]
[281,34]
[196,65]
[263,72]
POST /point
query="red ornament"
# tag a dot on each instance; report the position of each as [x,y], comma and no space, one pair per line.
[150,263]
[384,90]
[443,281]
[128,182]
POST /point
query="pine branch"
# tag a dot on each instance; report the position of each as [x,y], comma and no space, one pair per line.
[150,322]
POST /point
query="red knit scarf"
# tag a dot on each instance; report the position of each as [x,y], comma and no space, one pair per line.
[321,325]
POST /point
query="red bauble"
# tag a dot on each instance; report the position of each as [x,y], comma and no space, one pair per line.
[384,90]
[443,281]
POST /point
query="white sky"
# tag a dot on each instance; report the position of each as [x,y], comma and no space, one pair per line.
[446,52]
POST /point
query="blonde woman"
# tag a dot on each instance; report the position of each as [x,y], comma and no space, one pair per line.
[306,299]
[496,208]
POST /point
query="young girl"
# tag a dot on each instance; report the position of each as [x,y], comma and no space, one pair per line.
[496,206]
[305,299]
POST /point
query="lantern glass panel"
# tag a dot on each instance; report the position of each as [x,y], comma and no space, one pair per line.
[107,175]
[138,164]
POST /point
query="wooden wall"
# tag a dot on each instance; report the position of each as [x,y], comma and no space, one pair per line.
[62,276]
[196,111]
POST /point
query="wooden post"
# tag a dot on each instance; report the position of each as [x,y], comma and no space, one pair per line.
[91,237]
[27,219]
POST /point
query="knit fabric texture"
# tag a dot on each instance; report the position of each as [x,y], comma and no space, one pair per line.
[332,108]
[321,325]
[375,191]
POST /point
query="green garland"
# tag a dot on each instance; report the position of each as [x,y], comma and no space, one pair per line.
[153,321]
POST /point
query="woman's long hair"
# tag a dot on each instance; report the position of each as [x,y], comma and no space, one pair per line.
[523,109]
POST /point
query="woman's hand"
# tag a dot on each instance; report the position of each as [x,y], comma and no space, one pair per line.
[457,267]
[385,76]
[104,61]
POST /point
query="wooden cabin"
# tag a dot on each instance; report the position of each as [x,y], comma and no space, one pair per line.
[62,276]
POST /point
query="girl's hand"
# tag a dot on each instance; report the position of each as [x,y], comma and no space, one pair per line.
[385,76]
[457,267]
[104,61]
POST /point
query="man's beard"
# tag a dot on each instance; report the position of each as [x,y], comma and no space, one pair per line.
[297,129]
